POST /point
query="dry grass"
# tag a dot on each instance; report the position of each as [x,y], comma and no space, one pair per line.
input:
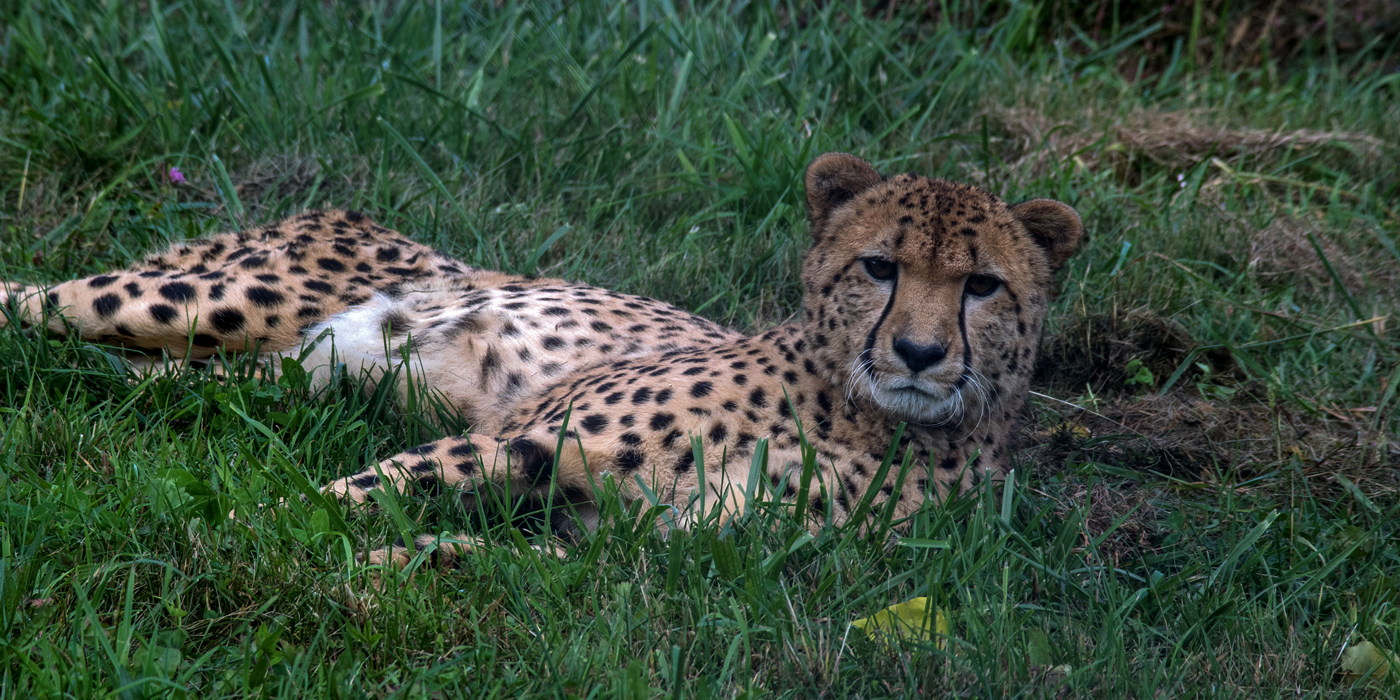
[1180,139]
[276,184]
[1281,255]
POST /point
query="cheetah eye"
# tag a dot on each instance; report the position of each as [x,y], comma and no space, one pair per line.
[880,268]
[982,285]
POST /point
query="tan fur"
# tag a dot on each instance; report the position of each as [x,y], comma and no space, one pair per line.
[638,379]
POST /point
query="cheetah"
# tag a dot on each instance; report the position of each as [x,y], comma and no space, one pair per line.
[923,304]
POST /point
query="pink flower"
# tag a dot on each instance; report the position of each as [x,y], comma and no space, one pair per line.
[176,176]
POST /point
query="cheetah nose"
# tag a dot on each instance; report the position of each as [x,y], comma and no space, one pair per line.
[919,357]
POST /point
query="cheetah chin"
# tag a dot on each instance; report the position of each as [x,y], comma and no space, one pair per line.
[923,301]
[921,403]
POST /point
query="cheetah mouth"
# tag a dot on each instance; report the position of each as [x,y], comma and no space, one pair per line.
[914,402]
[911,387]
[917,391]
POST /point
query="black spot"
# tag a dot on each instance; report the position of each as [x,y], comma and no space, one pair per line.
[556,311]
[106,305]
[177,291]
[686,461]
[661,421]
[419,450]
[663,396]
[594,423]
[204,340]
[216,292]
[489,362]
[330,264]
[614,398]
[718,433]
[701,389]
[600,327]
[629,461]
[163,313]
[318,286]
[693,371]
[670,439]
[514,382]
[527,456]
[630,439]
[308,312]
[641,396]
[387,254]
[252,262]
[228,320]
[133,290]
[758,398]
[101,281]
[264,297]
[367,482]
[552,342]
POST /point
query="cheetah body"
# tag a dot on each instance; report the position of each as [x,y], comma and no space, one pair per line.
[923,305]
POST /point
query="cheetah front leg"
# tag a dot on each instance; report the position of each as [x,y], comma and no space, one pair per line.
[443,550]
[455,462]
[458,462]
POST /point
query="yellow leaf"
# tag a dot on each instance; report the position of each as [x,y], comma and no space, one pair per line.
[1366,660]
[907,620]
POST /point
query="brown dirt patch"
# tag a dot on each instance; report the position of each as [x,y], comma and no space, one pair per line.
[1191,438]
[1202,444]
[1094,351]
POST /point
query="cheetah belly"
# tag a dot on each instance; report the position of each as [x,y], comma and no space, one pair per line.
[400,337]
[485,351]
[355,340]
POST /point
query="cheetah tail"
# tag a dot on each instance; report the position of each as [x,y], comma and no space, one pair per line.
[20,302]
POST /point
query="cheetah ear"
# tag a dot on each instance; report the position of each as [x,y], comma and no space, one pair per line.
[1055,226]
[832,180]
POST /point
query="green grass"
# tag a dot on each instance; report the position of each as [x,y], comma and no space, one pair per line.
[658,149]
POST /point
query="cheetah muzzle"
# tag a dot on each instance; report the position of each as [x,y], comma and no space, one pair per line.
[923,303]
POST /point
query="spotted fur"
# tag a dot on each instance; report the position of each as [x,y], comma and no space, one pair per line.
[923,302]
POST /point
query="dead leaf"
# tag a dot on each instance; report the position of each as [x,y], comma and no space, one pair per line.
[907,620]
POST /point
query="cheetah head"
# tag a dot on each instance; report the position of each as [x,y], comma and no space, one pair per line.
[925,296]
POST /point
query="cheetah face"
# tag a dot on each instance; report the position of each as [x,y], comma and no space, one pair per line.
[925,296]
